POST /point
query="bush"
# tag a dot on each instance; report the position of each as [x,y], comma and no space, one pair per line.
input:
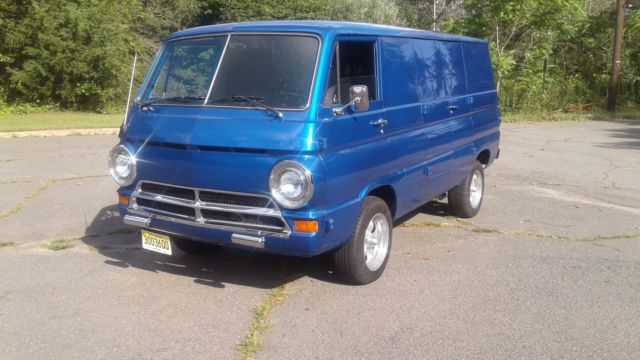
[24,108]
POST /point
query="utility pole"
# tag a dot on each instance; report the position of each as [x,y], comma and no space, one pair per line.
[614,85]
[435,14]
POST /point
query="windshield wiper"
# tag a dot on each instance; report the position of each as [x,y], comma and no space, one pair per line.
[146,104]
[255,100]
[182,99]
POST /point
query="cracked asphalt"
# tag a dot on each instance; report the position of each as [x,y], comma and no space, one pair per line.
[550,268]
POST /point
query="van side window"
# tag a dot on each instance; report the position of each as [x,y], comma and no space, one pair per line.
[353,63]
[440,69]
[478,67]
[399,66]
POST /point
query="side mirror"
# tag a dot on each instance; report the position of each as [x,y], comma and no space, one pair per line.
[360,92]
[359,100]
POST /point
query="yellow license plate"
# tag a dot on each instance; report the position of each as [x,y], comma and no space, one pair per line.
[157,243]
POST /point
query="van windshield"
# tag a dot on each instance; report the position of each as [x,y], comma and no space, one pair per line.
[269,69]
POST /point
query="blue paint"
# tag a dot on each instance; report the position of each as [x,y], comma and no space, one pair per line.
[435,90]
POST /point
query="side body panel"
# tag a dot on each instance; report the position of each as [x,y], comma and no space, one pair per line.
[448,128]
[483,99]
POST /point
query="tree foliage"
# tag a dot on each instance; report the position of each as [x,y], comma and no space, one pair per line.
[77,53]
[66,52]
[574,39]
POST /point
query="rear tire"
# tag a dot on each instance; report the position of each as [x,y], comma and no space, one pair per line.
[465,199]
[194,247]
[363,259]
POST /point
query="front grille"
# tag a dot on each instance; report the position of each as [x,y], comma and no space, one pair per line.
[214,208]
[250,220]
[235,200]
[171,191]
[185,211]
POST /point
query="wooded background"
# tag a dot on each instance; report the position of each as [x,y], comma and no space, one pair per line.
[547,54]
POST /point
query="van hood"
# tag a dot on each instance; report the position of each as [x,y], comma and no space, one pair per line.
[222,127]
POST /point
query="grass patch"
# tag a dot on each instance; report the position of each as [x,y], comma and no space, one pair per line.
[18,206]
[485,231]
[624,114]
[423,224]
[58,120]
[44,185]
[260,323]
[7,244]
[58,245]
[614,237]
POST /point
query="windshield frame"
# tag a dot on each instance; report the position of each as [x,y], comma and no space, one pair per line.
[153,73]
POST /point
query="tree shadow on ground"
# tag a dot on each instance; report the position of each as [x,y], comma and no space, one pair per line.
[120,244]
[628,137]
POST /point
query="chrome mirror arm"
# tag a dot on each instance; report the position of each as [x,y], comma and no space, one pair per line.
[340,110]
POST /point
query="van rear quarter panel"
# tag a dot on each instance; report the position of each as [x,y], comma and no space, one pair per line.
[484,98]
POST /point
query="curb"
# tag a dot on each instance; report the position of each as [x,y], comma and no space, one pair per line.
[54,133]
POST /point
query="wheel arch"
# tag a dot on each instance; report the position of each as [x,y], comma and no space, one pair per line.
[484,157]
[388,195]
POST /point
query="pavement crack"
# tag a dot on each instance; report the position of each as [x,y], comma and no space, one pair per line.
[261,321]
[44,185]
[612,237]
[467,226]
[6,244]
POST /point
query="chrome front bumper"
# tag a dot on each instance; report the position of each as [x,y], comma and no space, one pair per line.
[251,215]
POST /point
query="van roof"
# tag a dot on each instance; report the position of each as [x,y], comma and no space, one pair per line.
[322,28]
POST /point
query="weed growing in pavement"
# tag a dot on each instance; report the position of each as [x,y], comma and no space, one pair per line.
[252,342]
[422,224]
[18,206]
[485,231]
[60,245]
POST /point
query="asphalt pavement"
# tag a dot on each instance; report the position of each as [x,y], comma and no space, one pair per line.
[550,268]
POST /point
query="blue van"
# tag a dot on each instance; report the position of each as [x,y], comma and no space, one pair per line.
[305,137]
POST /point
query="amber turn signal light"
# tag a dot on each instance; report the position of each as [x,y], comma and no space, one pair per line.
[306,226]
[123,200]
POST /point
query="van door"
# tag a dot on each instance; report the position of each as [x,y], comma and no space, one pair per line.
[355,147]
[402,106]
[449,129]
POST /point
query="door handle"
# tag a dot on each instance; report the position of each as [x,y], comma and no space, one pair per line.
[453,108]
[381,123]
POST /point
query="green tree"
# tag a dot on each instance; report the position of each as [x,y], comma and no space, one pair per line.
[374,11]
[371,11]
[68,53]
[522,35]
[423,14]
[216,11]
[156,19]
[76,53]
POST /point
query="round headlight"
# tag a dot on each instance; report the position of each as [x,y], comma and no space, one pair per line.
[291,184]
[122,165]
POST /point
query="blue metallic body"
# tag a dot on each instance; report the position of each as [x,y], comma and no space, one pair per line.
[426,149]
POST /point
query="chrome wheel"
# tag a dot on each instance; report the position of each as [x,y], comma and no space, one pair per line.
[476,188]
[376,242]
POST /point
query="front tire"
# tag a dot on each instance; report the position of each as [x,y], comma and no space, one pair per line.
[194,247]
[363,259]
[465,199]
